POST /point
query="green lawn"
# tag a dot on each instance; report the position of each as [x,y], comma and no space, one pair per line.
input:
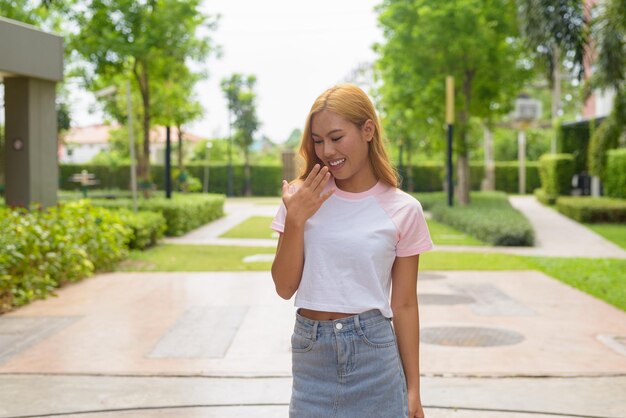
[602,278]
[446,235]
[253,227]
[259,227]
[170,257]
[613,232]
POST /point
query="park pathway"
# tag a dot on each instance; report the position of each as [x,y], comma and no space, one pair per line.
[499,344]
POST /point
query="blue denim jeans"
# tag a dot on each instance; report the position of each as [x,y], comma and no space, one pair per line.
[347,368]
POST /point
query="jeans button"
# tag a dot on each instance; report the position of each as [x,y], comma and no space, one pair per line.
[339,325]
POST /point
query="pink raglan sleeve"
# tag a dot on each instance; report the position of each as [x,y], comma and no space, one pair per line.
[413,235]
[278,223]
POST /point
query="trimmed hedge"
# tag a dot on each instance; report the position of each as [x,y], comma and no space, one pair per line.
[147,227]
[593,209]
[428,176]
[545,198]
[489,217]
[556,171]
[182,213]
[41,250]
[265,180]
[615,184]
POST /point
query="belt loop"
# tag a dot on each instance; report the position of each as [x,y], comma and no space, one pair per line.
[357,325]
[315,324]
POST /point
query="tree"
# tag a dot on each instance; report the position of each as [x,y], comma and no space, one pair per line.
[147,40]
[473,40]
[239,91]
[609,33]
[555,31]
[178,105]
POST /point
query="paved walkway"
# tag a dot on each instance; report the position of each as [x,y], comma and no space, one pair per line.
[494,344]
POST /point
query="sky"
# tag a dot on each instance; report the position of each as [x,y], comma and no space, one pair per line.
[295,48]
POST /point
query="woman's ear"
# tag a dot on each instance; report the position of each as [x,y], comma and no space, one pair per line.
[368,130]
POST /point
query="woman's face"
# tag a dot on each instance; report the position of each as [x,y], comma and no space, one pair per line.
[341,145]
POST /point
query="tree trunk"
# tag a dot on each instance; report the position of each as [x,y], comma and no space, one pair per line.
[556,93]
[463,178]
[248,191]
[180,148]
[409,168]
[489,182]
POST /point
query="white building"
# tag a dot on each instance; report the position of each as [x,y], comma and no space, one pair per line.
[81,144]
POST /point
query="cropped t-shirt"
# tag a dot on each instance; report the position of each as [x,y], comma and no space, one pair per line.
[350,245]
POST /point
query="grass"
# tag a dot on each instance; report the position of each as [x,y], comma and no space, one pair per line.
[602,278]
[258,227]
[170,257]
[615,233]
[446,235]
[253,227]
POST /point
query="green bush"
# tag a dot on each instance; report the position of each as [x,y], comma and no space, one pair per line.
[428,176]
[489,217]
[593,209]
[147,227]
[266,179]
[544,198]
[43,249]
[556,171]
[182,213]
[615,183]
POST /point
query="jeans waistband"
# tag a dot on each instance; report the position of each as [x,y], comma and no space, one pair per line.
[312,328]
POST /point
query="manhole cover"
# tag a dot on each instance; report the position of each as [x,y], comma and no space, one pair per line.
[469,336]
[443,299]
[431,276]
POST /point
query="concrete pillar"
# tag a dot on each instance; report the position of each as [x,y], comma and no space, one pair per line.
[31,167]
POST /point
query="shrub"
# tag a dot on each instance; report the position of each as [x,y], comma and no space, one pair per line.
[43,249]
[490,218]
[556,171]
[593,209]
[182,213]
[616,173]
[544,198]
[147,227]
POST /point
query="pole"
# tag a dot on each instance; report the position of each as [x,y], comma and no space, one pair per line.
[168,164]
[206,167]
[229,191]
[131,144]
[450,122]
[521,155]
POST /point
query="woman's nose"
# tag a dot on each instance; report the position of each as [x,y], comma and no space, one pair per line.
[329,150]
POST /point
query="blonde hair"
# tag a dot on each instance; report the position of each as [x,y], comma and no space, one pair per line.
[350,102]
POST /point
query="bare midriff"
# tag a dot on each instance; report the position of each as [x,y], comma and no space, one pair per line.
[323,316]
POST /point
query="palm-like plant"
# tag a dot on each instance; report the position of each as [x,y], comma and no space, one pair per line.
[555,30]
[609,36]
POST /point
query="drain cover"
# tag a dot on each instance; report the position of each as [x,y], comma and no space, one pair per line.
[443,299]
[430,276]
[469,336]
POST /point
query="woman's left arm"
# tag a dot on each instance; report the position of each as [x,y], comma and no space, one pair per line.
[406,325]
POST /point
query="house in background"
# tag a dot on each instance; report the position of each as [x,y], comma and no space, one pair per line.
[81,144]
[600,102]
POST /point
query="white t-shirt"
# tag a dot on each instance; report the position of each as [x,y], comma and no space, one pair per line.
[350,245]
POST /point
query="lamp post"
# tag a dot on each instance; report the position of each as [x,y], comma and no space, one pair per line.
[527,110]
[109,91]
[450,123]
[209,145]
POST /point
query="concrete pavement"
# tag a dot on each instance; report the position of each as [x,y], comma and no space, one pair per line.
[494,344]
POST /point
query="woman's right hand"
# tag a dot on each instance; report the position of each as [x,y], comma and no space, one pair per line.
[304,202]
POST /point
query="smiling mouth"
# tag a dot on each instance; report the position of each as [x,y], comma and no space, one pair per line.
[336,162]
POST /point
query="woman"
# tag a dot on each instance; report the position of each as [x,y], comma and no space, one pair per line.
[348,238]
